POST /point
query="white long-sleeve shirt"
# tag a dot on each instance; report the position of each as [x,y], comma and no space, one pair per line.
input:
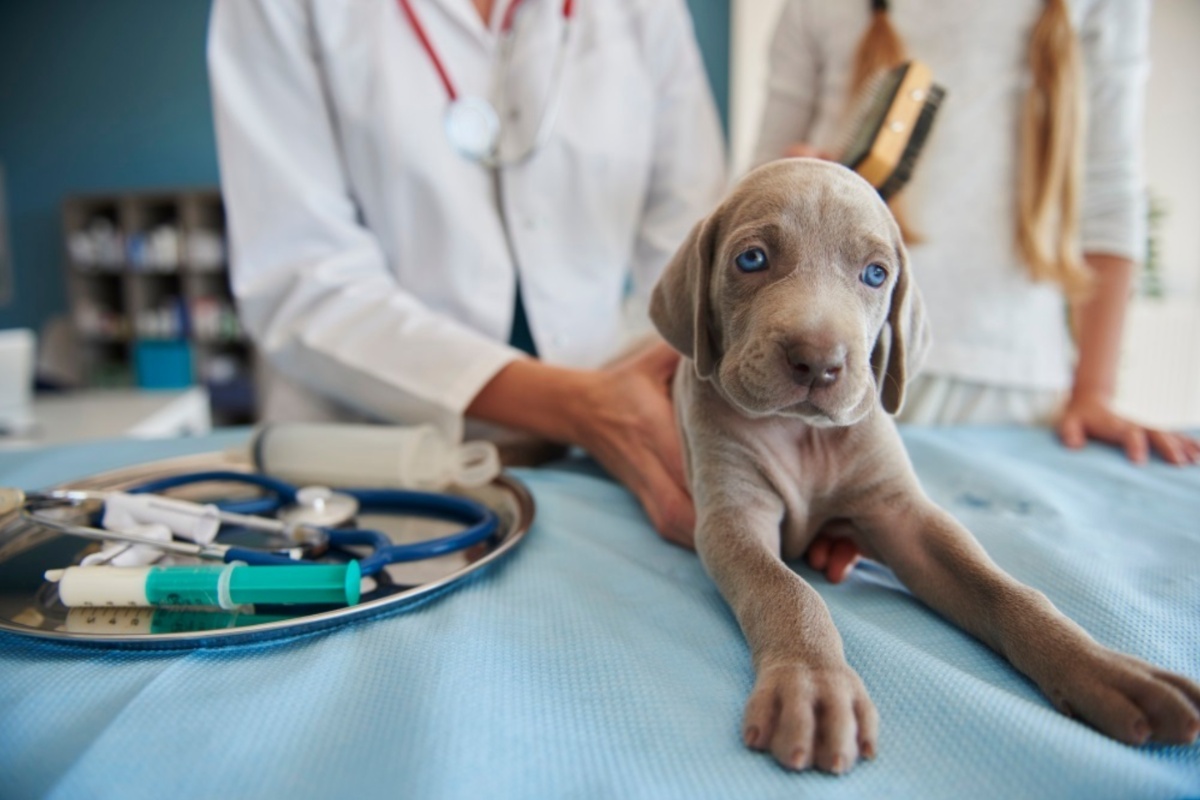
[369,259]
[991,324]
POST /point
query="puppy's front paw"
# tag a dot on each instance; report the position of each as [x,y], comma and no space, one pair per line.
[808,717]
[1128,699]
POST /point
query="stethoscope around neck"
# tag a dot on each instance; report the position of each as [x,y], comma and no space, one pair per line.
[472,123]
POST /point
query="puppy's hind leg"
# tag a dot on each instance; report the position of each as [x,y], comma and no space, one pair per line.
[942,563]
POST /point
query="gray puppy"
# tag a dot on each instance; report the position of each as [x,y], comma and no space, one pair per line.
[794,303]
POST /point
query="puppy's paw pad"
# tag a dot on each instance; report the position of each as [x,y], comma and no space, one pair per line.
[810,717]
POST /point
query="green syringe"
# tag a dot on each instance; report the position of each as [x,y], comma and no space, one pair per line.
[224,586]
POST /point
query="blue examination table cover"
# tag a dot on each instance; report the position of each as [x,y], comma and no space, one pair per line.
[597,661]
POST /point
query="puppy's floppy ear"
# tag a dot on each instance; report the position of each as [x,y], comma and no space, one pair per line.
[903,341]
[679,305]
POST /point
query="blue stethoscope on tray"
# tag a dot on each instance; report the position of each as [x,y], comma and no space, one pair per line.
[331,508]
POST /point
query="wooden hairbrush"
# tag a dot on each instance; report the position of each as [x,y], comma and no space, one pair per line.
[892,123]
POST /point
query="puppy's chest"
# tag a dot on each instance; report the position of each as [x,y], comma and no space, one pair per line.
[819,474]
[816,480]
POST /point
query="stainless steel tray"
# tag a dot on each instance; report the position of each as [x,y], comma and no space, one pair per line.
[30,606]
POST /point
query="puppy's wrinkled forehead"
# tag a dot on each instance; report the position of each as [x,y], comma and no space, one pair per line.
[806,195]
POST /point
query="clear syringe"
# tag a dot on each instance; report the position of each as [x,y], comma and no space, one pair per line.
[226,586]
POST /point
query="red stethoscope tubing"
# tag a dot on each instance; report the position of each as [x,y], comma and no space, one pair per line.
[423,37]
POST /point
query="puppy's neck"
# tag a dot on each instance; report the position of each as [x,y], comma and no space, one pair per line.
[833,436]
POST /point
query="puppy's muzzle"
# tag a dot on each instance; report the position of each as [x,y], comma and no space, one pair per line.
[815,367]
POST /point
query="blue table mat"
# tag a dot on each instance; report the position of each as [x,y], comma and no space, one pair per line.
[598,661]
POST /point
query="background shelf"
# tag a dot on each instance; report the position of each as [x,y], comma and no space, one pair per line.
[148,285]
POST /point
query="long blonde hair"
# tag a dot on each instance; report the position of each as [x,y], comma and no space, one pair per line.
[1049,180]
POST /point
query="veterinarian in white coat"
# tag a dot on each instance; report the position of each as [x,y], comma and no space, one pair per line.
[377,268]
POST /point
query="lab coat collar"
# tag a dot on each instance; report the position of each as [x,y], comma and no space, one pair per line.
[463,11]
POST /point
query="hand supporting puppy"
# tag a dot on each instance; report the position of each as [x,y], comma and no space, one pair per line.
[835,556]
[622,415]
[624,418]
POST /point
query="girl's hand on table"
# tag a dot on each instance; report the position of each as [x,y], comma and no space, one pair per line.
[1091,417]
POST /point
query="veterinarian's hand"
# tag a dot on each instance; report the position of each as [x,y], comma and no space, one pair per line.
[834,556]
[629,427]
[622,415]
[1091,417]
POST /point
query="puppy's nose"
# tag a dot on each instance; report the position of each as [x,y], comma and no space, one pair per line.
[815,369]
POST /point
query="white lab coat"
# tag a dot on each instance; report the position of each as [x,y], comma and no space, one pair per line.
[369,259]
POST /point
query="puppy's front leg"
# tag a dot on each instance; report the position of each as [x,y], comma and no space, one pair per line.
[943,564]
[808,707]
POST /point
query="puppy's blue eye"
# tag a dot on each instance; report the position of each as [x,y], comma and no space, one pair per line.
[753,260]
[873,275]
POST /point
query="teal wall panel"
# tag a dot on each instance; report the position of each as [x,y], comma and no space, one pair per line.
[712,20]
[94,96]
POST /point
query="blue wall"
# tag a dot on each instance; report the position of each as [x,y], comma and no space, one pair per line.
[712,18]
[101,96]
[94,96]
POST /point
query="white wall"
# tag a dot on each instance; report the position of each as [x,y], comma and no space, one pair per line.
[1173,138]
[1160,371]
[1160,375]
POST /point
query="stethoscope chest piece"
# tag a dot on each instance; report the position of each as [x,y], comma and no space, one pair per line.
[472,127]
[320,506]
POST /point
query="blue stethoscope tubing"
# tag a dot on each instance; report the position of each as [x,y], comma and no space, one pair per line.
[482,523]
